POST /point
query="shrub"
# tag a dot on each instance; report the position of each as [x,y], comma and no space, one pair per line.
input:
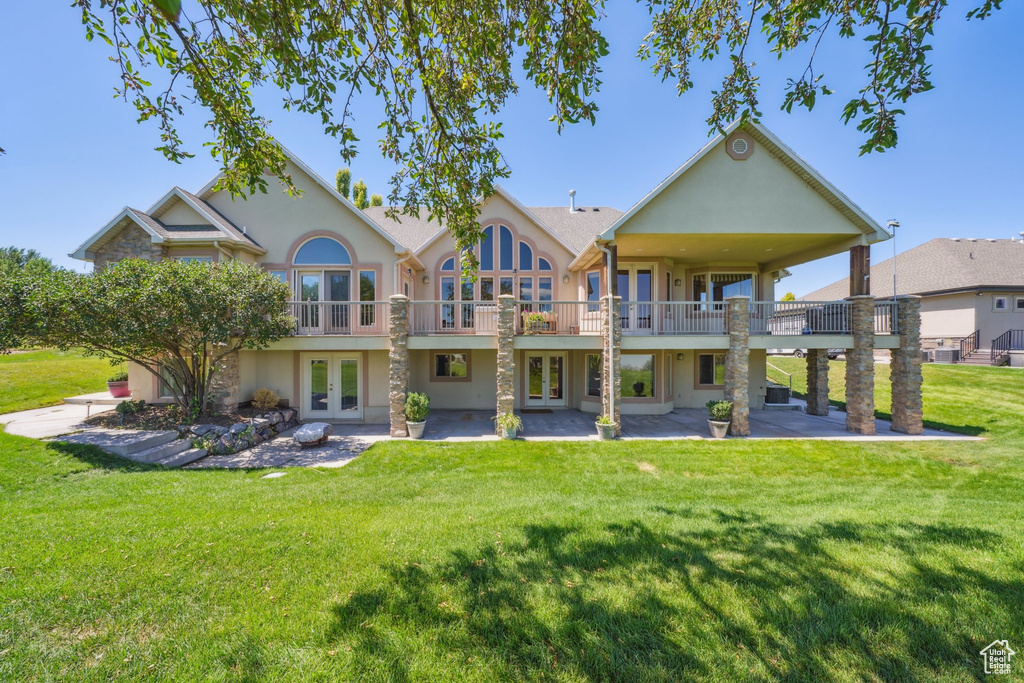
[506,422]
[129,407]
[604,420]
[720,411]
[417,407]
[119,376]
[265,399]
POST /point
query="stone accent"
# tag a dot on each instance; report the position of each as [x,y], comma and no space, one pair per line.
[817,382]
[224,386]
[312,434]
[905,369]
[131,242]
[398,358]
[506,355]
[737,364]
[860,367]
[611,372]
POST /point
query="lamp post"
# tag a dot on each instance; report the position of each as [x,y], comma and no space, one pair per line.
[893,224]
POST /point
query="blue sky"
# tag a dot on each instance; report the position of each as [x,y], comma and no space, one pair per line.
[76,156]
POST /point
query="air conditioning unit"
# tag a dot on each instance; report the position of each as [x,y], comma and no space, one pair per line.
[947,355]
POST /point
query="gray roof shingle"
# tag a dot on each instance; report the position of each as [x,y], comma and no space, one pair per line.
[941,265]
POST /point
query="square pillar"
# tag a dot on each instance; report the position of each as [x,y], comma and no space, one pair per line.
[506,354]
[737,364]
[398,358]
[611,371]
[905,369]
[860,367]
[817,382]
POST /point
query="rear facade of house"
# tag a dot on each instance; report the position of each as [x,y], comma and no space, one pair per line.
[580,307]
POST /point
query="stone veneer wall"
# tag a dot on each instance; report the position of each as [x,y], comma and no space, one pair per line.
[737,364]
[506,355]
[131,242]
[817,382]
[611,369]
[398,357]
[905,368]
[860,367]
[224,385]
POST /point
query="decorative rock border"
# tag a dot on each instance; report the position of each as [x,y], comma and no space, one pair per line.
[219,440]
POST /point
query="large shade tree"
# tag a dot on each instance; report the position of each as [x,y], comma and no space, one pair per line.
[442,71]
[176,319]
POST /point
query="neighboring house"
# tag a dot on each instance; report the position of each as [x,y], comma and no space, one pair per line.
[972,291]
[727,223]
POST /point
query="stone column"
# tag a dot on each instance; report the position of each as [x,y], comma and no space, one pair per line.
[506,354]
[905,369]
[817,382]
[224,385]
[860,367]
[611,370]
[737,364]
[398,357]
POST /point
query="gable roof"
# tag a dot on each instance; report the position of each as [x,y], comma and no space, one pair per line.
[787,156]
[941,265]
[224,228]
[330,189]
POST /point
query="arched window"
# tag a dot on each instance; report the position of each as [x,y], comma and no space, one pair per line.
[525,256]
[322,251]
[448,265]
[487,249]
[543,264]
[507,246]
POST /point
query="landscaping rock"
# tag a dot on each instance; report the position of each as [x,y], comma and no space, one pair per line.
[202,430]
[288,415]
[275,418]
[313,434]
[238,428]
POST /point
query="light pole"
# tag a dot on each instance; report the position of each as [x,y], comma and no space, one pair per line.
[893,224]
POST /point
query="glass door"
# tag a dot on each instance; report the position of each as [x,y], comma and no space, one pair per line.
[331,386]
[337,286]
[309,295]
[545,379]
[636,285]
[349,407]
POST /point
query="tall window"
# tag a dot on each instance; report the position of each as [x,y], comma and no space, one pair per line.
[711,369]
[594,374]
[721,286]
[505,284]
[487,249]
[487,289]
[367,292]
[506,259]
[544,293]
[637,375]
[593,289]
[525,256]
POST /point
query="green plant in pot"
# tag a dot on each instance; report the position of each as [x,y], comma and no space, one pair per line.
[605,428]
[507,425]
[719,418]
[117,385]
[534,322]
[417,407]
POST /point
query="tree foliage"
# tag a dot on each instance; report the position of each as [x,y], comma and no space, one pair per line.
[343,181]
[359,195]
[376,200]
[442,74]
[789,296]
[28,261]
[181,316]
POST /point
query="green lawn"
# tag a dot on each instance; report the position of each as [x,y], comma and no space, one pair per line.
[567,561]
[44,378]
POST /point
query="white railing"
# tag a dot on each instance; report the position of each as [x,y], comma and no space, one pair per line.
[672,317]
[340,317]
[453,317]
[885,317]
[558,317]
[800,317]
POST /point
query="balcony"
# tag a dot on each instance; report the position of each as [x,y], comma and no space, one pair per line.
[567,318]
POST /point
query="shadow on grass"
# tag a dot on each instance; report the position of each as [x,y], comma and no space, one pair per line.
[969,430]
[97,458]
[737,597]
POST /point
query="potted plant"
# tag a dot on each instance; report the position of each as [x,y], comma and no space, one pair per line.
[417,407]
[719,418]
[507,425]
[534,322]
[117,385]
[605,428]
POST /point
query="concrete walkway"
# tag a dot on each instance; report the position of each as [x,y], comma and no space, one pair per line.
[44,423]
[282,451]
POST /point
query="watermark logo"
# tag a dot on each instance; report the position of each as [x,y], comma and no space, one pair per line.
[997,657]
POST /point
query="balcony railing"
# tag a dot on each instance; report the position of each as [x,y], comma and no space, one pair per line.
[340,317]
[679,318]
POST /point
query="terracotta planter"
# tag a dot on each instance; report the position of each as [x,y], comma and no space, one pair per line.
[415,429]
[719,430]
[605,432]
[119,389]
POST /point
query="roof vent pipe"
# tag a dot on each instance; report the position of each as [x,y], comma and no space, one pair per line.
[572,201]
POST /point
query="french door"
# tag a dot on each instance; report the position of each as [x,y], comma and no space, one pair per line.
[325,296]
[331,386]
[636,285]
[545,379]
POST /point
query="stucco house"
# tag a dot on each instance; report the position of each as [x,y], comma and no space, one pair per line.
[577,307]
[972,296]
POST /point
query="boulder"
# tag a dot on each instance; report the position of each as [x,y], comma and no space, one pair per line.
[312,434]
[288,415]
[238,428]
[201,430]
[275,418]
[227,443]
[260,422]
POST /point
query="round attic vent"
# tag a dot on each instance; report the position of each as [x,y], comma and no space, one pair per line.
[740,146]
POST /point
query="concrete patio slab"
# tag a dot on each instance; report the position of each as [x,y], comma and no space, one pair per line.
[44,423]
[283,451]
[100,398]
